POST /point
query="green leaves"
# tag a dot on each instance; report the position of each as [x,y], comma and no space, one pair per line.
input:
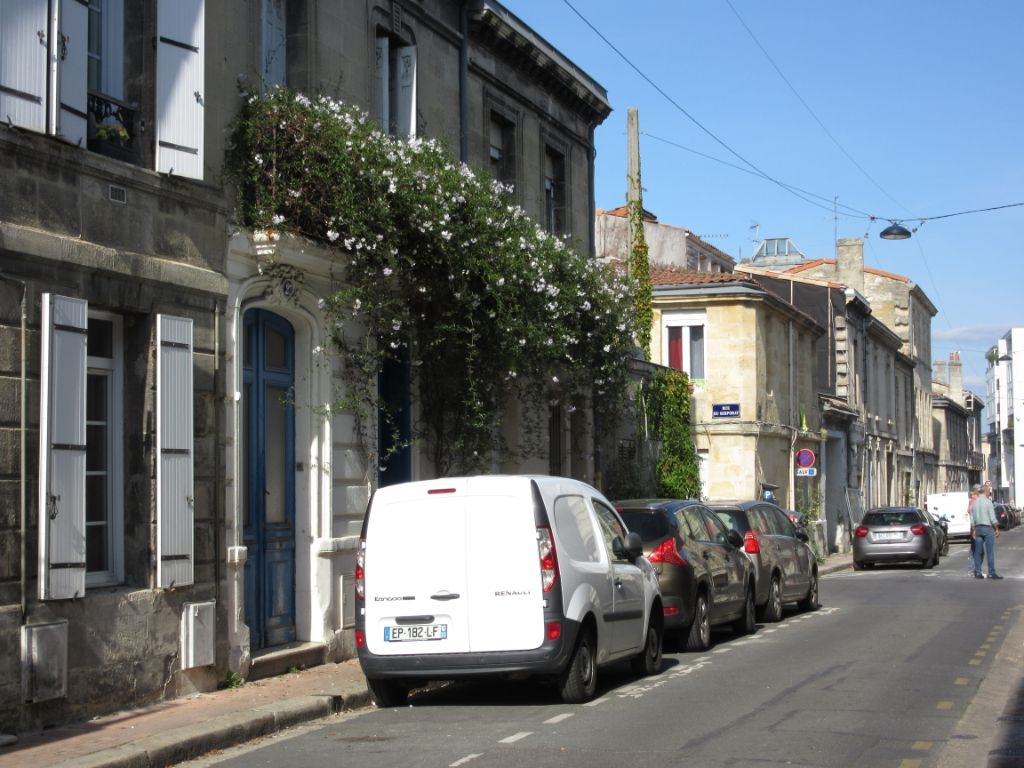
[437,262]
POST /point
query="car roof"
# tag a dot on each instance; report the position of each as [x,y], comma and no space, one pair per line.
[743,504]
[655,505]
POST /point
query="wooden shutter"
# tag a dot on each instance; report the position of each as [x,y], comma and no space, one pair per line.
[62,563]
[73,71]
[179,87]
[405,109]
[383,94]
[675,348]
[23,52]
[174,509]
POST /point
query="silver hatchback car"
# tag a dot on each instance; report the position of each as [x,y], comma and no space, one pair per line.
[895,535]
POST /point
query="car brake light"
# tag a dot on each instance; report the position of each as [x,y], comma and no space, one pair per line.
[554,630]
[917,530]
[666,552]
[751,544]
[861,532]
[360,639]
[361,572]
[548,560]
[670,610]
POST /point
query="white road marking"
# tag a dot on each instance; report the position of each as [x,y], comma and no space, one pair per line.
[464,760]
[515,737]
[558,718]
[595,702]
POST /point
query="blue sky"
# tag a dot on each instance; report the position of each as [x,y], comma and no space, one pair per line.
[924,100]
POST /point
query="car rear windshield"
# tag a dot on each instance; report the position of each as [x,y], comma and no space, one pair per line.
[897,517]
[651,526]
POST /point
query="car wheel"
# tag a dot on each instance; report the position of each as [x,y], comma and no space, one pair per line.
[387,693]
[945,547]
[699,637]
[810,602]
[772,610]
[648,661]
[578,682]
[745,625]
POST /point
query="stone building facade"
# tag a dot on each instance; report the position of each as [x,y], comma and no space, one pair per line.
[668,245]
[1004,412]
[748,427]
[174,506]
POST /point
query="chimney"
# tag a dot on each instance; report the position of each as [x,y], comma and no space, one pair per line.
[956,379]
[939,376]
[850,263]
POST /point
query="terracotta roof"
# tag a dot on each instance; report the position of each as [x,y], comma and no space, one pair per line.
[661,275]
[623,213]
[832,262]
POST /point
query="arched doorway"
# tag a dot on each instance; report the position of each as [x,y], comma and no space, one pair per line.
[268,379]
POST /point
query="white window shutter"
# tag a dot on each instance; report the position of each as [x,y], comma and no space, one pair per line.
[23,56]
[180,91]
[73,71]
[405,117]
[383,95]
[174,508]
[62,563]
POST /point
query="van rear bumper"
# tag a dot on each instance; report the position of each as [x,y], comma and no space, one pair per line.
[549,659]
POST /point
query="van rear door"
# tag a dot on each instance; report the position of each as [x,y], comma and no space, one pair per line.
[452,566]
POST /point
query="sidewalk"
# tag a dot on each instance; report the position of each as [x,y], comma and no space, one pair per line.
[182,729]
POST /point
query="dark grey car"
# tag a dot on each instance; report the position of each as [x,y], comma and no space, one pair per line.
[785,568]
[896,535]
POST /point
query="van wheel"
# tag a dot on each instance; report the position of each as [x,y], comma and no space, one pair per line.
[387,693]
[699,637]
[648,661]
[578,682]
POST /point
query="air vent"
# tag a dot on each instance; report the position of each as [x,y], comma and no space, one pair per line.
[118,194]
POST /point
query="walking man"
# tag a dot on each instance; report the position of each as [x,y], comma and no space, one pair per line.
[984,531]
[971,569]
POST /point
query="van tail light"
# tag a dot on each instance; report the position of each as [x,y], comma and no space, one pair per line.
[666,552]
[548,559]
[861,531]
[361,572]
[751,544]
[670,610]
[553,630]
[918,530]
[360,639]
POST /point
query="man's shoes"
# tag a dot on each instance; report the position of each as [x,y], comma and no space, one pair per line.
[978,575]
[994,576]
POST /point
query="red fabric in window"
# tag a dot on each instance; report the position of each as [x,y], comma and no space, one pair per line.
[675,348]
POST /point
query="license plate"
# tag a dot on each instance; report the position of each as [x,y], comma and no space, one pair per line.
[406,632]
[888,535]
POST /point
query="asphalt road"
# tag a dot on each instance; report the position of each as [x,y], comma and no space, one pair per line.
[886,673]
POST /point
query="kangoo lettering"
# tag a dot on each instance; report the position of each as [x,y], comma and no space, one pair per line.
[388,599]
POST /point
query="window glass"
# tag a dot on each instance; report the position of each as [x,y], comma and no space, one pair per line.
[696,523]
[716,530]
[763,520]
[610,526]
[696,352]
[649,525]
[783,524]
[576,533]
[734,520]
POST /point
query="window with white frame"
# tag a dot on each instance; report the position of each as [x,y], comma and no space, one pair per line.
[683,343]
[106,47]
[395,70]
[104,508]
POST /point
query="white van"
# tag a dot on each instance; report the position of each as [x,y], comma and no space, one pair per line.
[501,575]
[954,507]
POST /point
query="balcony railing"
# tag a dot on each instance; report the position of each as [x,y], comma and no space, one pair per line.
[112,127]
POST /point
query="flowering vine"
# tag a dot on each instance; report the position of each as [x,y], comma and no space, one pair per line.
[438,268]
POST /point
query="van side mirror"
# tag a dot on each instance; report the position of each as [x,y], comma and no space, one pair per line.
[630,549]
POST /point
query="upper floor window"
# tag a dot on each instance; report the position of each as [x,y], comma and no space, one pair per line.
[106,48]
[554,191]
[502,149]
[683,343]
[274,44]
[395,69]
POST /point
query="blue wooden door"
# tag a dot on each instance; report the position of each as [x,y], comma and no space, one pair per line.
[269,436]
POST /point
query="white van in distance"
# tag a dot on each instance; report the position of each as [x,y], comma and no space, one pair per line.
[954,507]
[501,575]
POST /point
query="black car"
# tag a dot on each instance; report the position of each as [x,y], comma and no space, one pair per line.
[1005,516]
[705,578]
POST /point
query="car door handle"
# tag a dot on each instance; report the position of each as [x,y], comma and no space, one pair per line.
[446,596]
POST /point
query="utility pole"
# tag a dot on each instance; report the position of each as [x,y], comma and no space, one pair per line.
[634,194]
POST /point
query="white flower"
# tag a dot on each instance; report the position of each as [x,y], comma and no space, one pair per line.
[387,271]
[501,281]
[321,303]
[554,379]
[277,219]
[333,234]
[607,347]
